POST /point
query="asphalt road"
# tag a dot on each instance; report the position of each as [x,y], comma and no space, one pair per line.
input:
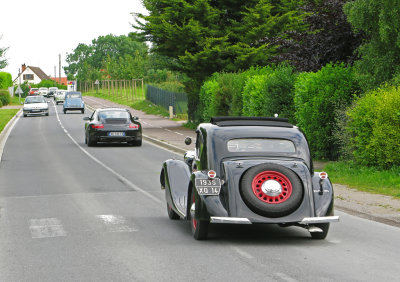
[73,213]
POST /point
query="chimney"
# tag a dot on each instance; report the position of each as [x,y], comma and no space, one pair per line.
[23,67]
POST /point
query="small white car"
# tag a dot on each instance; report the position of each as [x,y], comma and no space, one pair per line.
[43,91]
[59,97]
[52,92]
[35,105]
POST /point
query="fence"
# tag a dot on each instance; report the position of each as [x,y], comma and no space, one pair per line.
[166,99]
[129,90]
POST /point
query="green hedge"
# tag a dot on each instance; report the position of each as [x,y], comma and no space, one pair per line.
[5,97]
[5,80]
[271,93]
[374,124]
[319,97]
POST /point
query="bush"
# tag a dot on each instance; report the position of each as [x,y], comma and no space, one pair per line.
[318,99]
[221,94]
[270,93]
[5,97]
[374,124]
[5,80]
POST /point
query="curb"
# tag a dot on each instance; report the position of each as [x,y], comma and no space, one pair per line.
[6,131]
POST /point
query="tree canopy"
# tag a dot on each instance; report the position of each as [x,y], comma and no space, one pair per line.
[113,56]
[3,61]
[205,36]
[380,53]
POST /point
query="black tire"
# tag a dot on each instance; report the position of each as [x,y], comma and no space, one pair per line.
[277,203]
[65,111]
[171,213]
[91,142]
[199,227]
[25,115]
[47,114]
[137,143]
[83,111]
[85,139]
[320,235]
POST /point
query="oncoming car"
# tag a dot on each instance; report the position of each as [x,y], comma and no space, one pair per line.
[248,170]
[35,105]
[43,91]
[73,102]
[59,96]
[112,125]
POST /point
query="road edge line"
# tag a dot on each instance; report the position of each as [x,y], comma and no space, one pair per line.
[7,130]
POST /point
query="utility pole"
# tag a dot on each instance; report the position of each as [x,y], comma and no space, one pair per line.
[55,77]
[59,69]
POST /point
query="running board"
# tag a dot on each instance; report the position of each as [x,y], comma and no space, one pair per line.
[322,219]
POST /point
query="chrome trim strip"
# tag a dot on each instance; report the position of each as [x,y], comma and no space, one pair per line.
[322,219]
[237,220]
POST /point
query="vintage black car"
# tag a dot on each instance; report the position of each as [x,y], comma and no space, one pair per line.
[112,125]
[248,170]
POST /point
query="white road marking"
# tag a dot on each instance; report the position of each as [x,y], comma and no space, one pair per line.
[46,228]
[285,277]
[242,253]
[115,223]
[179,133]
[119,176]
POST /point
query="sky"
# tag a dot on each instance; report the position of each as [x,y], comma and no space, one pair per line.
[37,31]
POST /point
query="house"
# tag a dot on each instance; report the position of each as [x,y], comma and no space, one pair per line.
[62,80]
[33,75]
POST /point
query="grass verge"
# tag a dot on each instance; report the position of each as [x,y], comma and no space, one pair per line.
[368,179]
[5,116]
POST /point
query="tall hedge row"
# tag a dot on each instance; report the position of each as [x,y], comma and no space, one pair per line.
[5,80]
[318,98]
[5,98]
[374,126]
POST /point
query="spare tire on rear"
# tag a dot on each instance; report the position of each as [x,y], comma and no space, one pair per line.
[271,190]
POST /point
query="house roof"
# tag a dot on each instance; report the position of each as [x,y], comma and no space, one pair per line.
[39,73]
[64,80]
[36,70]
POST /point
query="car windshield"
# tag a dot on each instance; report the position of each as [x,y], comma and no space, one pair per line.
[114,114]
[261,145]
[35,99]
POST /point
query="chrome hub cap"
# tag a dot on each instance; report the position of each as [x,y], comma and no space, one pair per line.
[271,188]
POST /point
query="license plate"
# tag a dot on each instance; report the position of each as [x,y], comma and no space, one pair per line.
[208,186]
[116,133]
[35,111]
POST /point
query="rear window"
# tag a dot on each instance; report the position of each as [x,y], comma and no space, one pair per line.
[113,114]
[74,95]
[261,145]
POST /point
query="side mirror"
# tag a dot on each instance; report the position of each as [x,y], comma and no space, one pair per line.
[188,140]
[86,118]
[135,118]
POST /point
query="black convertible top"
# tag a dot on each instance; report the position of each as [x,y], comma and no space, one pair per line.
[249,121]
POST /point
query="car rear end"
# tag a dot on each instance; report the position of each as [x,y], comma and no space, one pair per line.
[116,130]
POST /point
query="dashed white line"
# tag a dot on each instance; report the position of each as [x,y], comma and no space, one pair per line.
[242,253]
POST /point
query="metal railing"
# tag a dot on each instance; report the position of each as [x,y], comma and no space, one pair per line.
[166,99]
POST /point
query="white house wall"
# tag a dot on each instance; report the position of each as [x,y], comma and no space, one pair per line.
[35,80]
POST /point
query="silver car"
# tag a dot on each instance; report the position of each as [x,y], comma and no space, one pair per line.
[35,105]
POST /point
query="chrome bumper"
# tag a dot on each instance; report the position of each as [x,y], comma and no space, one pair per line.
[243,220]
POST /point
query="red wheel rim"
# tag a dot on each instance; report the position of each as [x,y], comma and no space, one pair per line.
[282,185]
[194,221]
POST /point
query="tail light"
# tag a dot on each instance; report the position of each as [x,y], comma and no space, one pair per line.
[132,125]
[97,125]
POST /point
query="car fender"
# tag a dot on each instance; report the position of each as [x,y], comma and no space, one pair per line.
[175,179]
[323,195]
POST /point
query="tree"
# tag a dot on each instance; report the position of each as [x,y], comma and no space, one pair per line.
[90,62]
[3,61]
[328,39]
[206,36]
[380,53]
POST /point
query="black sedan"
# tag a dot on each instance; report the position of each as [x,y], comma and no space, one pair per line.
[112,125]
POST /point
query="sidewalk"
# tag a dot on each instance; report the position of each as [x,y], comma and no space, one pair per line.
[171,135]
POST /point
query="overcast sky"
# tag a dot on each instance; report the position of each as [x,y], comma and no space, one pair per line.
[37,31]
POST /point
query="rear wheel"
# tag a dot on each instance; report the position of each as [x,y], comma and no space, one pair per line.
[83,111]
[65,111]
[90,142]
[137,143]
[320,235]
[199,227]
[171,213]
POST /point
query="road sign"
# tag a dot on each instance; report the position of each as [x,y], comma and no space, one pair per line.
[97,82]
[19,90]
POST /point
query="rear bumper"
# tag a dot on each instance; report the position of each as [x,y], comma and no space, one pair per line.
[242,220]
[35,111]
